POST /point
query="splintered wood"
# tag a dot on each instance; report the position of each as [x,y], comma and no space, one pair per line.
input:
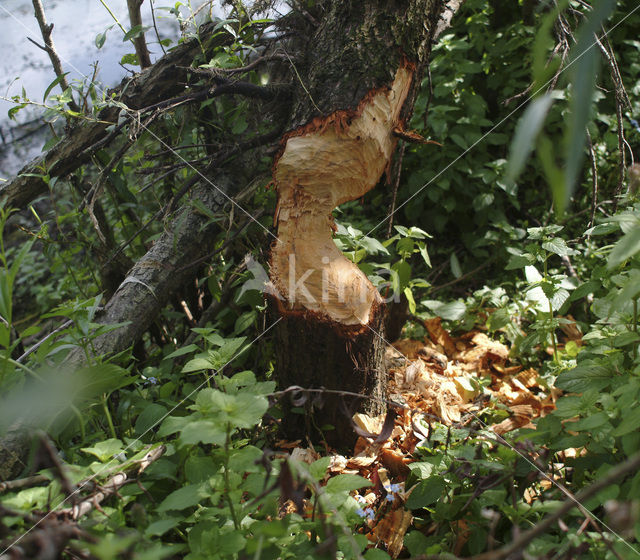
[328,162]
[441,379]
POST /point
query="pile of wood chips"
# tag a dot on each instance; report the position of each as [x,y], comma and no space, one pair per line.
[436,379]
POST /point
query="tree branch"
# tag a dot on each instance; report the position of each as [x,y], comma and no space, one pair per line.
[46,30]
[632,464]
[163,80]
[139,42]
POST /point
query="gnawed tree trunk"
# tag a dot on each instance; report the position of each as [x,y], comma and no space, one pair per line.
[355,94]
[363,61]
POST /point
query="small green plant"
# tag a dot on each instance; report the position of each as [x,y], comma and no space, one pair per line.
[394,277]
[546,292]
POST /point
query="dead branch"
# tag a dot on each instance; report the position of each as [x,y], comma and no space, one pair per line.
[163,270]
[23,482]
[109,488]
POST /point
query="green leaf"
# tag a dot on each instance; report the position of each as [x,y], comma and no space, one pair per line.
[173,424]
[584,59]
[105,450]
[456,269]
[246,460]
[318,469]
[149,417]
[243,410]
[203,431]
[346,483]
[527,130]
[198,469]
[134,32]
[553,173]
[451,311]
[624,339]
[185,497]
[182,351]
[426,492]
[376,554]
[100,39]
[129,58]
[403,269]
[373,246]
[590,422]
[230,543]
[558,246]
[100,379]
[585,289]
[498,319]
[160,527]
[625,248]
[520,261]
[197,364]
[630,422]
[422,247]
[412,302]
[245,321]
[52,85]
[587,375]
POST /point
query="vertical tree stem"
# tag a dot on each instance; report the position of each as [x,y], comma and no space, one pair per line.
[139,42]
[46,30]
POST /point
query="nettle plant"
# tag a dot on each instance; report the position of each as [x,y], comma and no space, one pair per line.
[547,290]
[395,277]
[601,411]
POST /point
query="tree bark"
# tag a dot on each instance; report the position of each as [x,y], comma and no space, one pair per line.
[355,92]
[364,60]
[139,42]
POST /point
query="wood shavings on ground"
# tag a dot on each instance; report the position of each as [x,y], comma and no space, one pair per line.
[443,380]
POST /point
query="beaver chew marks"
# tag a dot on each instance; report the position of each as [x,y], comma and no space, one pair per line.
[324,164]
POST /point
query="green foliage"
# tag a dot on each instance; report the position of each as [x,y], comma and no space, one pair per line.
[394,277]
[501,259]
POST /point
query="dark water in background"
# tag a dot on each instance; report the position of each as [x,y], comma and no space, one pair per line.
[76,24]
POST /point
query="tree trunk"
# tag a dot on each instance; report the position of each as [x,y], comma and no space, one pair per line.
[355,93]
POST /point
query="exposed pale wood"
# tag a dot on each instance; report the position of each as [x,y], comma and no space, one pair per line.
[355,91]
[328,163]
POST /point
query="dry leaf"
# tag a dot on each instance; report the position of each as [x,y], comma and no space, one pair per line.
[304,455]
[440,336]
[409,348]
[391,530]
[484,354]
[465,388]
[395,461]
[510,424]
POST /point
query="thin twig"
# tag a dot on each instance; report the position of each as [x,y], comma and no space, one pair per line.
[594,180]
[41,342]
[155,27]
[243,69]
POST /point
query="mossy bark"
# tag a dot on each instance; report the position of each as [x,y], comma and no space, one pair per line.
[355,89]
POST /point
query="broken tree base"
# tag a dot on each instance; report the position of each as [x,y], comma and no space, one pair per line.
[316,354]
